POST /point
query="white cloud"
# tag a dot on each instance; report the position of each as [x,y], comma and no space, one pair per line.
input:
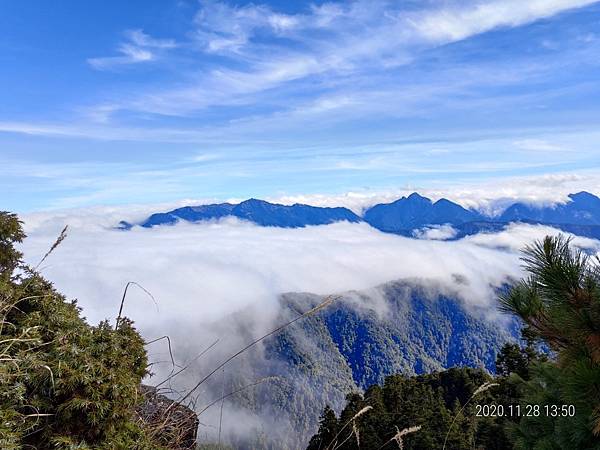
[345,54]
[456,23]
[436,232]
[139,47]
[538,145]
[205,157]
[202,274]
[141,39]
[225,28]
[488,197]
[543,190]
[516,236]
[110,183]
[332,41]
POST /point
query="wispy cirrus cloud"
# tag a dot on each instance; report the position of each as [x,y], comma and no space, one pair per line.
[455,23]
[233,164]
[539,145]
[63,184]
[224,28]
[265,49]
[342,56]
[138,47]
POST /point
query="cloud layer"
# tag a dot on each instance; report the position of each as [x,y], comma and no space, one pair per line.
[204,277]
[200,273]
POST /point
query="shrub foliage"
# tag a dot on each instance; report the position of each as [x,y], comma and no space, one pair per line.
[63,383]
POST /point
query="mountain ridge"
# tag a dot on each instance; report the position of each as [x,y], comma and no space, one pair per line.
[404,216]
[258,211]
[408,327]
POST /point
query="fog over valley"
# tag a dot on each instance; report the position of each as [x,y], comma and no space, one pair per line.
[208,270]
[221,281]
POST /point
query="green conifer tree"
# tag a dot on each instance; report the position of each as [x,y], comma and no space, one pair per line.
[328,428]
[560,304]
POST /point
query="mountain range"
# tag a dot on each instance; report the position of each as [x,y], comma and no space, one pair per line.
[403,326]
[580,215]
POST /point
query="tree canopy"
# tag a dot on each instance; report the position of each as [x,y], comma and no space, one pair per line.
[558,303]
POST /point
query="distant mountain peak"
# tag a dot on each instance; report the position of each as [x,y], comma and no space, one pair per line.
[445,201]
[252,203]
[253,200]
[584,196]
[583,209]
[416,211]
[417,196]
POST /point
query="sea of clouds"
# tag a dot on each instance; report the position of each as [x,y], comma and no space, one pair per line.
[202,274]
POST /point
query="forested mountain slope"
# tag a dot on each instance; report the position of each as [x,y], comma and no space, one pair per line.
[357,341]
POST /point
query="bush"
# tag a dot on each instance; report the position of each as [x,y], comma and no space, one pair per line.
[63,383]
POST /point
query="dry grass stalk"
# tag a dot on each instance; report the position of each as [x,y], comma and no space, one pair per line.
[61,237]
[400,434]
[129,283]
[237,391]
[350,421]
[173,375]
[484,387]
[356,433]
[328,301]
[173,365]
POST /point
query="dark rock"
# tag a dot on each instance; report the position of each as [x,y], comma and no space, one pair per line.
[172,424]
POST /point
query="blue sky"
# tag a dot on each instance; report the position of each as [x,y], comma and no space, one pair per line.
[129,102]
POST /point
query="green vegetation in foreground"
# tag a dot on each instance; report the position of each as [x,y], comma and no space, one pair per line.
[559,304]
[63,383]
[428,404]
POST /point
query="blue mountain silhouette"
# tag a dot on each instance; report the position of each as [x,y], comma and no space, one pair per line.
[257,211]
[415,211]
[580,215]
[583,209]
